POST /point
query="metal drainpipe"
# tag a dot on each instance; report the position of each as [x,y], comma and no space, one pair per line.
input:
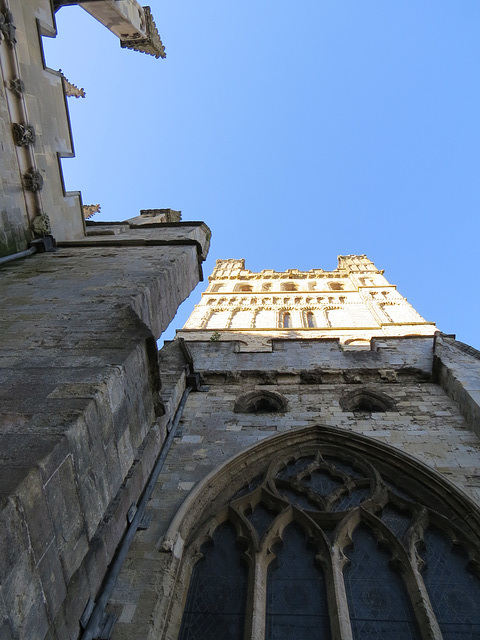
[20,254]
[92,629]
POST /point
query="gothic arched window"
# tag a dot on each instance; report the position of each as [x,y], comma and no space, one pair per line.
[334,542]
[335,286]
[215,606]
[286,320]
[288,286]
[311,320]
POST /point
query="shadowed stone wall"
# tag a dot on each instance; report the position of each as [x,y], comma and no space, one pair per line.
[81,419]
[315,378]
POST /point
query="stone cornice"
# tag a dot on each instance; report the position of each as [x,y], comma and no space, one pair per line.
[151,44]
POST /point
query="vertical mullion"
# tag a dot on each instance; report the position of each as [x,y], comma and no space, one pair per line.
[426,619]
[337,599]
[257,599]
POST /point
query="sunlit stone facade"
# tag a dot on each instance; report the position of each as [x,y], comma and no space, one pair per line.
[353,303]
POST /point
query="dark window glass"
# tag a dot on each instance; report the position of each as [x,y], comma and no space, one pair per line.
[396,521]
[215,607]
[292,468]
[287,320]
[296,597]
[378,604]
[353,499]
[310,320]
[454,592]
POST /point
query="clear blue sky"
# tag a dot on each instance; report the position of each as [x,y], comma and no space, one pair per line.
[297,132]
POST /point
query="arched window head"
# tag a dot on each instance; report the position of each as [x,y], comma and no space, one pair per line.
[311,320]
[266,286]
[335,286]
[217,287]
[261,402]
[289,286]
[366,401]
[286,320]
[247,288]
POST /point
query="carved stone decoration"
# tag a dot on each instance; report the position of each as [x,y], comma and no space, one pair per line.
[41,225]
[33,180]
[90,210]
[23,134]
[16,85]
[71,89]
[151,43]
[7,28]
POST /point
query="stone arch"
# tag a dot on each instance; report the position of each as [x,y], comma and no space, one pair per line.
[246,288]
[335,286]
[261,402]
[367,401]
[291,476]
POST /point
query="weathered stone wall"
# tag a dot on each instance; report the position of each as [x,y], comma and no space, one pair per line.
[81,413]
[316,357]
[425,423]
[457,368]
[40,103]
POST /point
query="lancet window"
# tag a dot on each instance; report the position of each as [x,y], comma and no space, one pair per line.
[311,323]
[325,544]
[286,320]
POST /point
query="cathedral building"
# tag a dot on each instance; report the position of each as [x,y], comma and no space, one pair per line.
[300,462]
[322,479]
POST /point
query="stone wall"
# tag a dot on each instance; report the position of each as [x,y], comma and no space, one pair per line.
[314,378]
[82,418]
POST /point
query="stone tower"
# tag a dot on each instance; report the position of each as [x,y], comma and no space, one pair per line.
[322,476]
[352,303]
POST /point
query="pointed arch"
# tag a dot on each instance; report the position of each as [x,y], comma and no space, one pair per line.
[378,603]
[332,489]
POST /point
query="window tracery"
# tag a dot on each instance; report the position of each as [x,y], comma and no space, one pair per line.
[342,552]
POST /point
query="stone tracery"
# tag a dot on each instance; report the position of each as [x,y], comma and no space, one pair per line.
[332,498]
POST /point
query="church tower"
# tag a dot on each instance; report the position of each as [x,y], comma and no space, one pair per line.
[322,477]
[353,303]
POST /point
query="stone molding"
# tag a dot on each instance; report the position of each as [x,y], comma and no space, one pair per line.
[151,44]
[249,402]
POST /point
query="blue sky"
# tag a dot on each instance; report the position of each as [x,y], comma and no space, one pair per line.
[297,132]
